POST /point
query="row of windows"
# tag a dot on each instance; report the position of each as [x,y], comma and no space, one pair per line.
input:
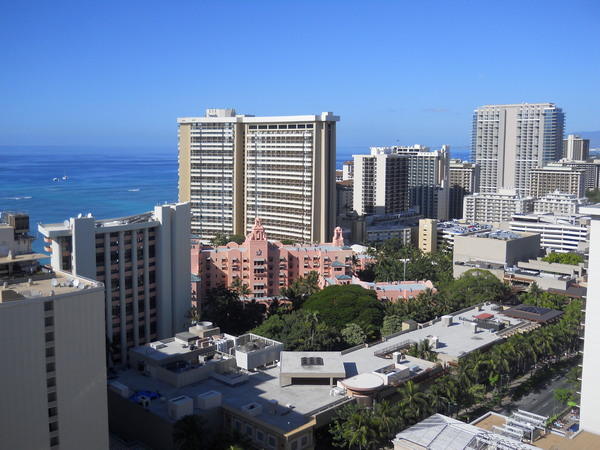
[281,126]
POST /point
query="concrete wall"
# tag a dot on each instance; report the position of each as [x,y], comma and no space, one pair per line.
[590,385]
[496,250]
[259,357]
[150,429]
[84,247]
[77,366]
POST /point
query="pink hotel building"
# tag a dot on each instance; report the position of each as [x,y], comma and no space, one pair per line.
[267,267]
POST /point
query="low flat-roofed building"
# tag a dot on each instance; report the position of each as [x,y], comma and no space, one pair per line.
[548,276]
[439,432]
[395,290]
[533,313]
[434,234]
[318,367]
[500,248]
[557,232]
[563,440]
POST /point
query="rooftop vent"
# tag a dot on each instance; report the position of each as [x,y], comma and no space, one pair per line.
[311,361]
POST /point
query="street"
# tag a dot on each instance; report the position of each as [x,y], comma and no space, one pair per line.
[540,401]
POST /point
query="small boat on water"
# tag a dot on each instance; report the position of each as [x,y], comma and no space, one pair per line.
[55,179]
[65,177]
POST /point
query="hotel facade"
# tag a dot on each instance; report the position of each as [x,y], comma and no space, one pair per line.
[234,168]
[508,141]
[267,267]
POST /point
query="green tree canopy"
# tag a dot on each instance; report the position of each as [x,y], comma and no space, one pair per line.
[189,432]
[340,305]
[223,239]
[593,195]
[564,258]
[353,334]
[300,330]
[477,286]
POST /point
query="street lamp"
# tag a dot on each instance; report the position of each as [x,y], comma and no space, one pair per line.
[404,261]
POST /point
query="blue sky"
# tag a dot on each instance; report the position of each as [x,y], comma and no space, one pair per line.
[119,73]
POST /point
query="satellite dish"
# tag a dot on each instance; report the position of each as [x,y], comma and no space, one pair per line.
[66,223]
[76,283]
[89,215]
[79,216]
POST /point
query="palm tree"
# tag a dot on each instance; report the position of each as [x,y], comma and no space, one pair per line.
[437,398]
[193,316]
[413,403]
[476,365]
[388,420]
[360,431]
[241,288]
[189,433]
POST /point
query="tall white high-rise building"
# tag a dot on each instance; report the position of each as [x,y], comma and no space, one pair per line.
[234,168]
[510,140]
[380,182]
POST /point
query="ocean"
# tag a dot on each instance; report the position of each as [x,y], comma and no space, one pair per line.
[106,182]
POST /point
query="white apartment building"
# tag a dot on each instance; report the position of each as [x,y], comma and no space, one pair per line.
[575,148]
[380,183]
[348,170]
[53,367]
[495,208]
[559,203]
[234,168]
[555,177]
[510,140]
[144,263]
[590,382]
[558,233]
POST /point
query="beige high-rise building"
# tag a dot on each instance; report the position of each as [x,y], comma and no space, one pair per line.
[234,168]
[568,180]
[464,180]
[575,148]
[510,140]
